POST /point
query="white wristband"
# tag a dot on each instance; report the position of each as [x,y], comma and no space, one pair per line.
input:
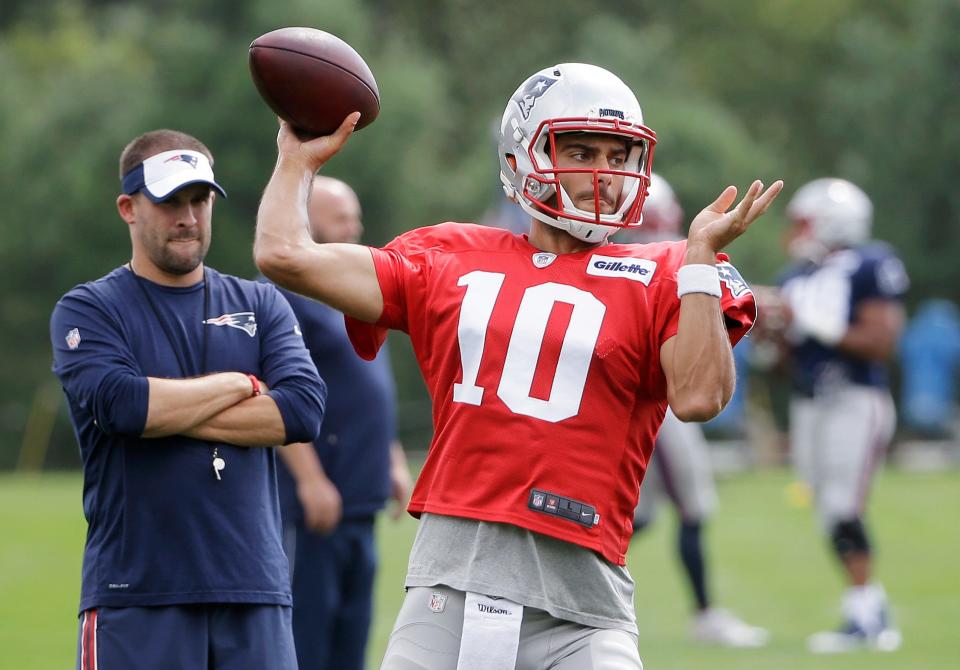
[698,278]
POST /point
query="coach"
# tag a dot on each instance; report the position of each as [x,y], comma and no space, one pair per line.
[166,365]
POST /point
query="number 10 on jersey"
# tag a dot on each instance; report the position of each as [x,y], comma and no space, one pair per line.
[526,341]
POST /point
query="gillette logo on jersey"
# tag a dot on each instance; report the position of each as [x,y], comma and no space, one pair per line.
[637,269]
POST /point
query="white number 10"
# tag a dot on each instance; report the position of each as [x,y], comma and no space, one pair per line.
[523,352]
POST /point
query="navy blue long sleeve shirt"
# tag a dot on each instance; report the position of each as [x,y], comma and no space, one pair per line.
[162,529]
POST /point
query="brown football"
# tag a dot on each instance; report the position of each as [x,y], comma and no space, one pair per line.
[313,79]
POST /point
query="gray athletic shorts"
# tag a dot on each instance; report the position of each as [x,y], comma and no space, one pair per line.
[424,639]
[679,471]
[837,440]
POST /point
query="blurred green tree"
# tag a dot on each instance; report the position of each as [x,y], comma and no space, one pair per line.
[745,88]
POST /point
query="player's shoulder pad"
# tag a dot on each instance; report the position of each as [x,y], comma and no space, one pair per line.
[881,262]
[668,255]
[667,250]
[451,236]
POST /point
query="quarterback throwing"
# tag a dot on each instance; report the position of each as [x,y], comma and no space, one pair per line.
[550,359]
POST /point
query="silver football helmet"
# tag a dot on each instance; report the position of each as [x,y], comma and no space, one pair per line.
[831,214]
[573,98]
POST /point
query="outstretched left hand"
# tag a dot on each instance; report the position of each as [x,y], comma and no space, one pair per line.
[714,228]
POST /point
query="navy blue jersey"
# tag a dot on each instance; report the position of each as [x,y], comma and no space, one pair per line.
[360,419]
[162,530]
[870,272]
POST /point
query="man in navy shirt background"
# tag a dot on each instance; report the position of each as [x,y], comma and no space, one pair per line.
[331,489]
[173,373]
[845,299]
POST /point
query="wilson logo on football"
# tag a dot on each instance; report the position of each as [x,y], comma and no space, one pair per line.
[245,321]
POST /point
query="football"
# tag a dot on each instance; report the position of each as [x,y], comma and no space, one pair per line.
[313,79]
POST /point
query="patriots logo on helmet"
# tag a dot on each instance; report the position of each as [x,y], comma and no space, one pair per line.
[185,158]
[245,321]
[529,94]
[730,276]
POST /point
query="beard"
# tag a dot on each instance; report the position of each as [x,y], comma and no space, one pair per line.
[177,259]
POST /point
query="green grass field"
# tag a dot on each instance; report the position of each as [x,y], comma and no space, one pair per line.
[770,566]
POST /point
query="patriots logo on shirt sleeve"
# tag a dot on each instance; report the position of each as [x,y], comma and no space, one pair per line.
[730,276]
[245,321]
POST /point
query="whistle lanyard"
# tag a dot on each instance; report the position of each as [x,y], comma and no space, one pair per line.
[218,462]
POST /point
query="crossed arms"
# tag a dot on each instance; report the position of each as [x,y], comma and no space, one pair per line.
[218,408]
[103,380]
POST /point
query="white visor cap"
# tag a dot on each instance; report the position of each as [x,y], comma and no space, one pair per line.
[161,175]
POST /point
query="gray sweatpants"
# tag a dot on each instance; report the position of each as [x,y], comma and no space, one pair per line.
[424,639]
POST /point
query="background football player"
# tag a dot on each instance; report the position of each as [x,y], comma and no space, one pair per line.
[844,294]
[680,469]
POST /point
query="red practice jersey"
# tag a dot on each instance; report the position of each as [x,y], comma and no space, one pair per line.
[544,372]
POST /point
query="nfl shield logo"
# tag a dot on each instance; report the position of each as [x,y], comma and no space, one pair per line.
[538,500]
[437,602]
[543,259]
[73,339]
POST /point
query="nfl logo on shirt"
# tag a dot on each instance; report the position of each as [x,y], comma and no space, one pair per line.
[73,339]
[543,259]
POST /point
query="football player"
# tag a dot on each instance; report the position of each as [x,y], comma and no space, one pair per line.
[550,358]
[844,294]
[680,468]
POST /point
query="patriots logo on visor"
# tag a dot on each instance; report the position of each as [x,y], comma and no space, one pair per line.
[731,277]
[185,158]
[530,93]
[245,321]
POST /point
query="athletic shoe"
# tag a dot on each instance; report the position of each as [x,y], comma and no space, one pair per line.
[851,638]
[720,626]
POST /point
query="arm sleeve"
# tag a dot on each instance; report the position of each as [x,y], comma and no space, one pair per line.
[401,269]
[736,300]
[95,365]
[286,367]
